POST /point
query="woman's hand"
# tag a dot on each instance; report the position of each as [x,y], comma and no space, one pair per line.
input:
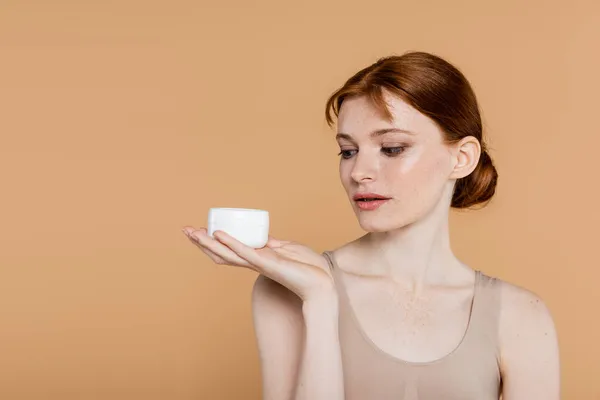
[297,267]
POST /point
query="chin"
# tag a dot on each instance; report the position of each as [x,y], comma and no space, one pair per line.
[379,223]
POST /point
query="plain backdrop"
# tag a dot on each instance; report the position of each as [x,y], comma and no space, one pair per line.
[123,121]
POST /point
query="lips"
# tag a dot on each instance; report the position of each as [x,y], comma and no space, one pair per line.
[368,197]
[369,201]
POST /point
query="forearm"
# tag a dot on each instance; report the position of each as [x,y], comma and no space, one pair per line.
[321,374]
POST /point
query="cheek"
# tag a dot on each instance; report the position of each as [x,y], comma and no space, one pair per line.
[420,180]
[345,171]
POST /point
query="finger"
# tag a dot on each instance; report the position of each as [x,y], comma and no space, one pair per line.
[271,267]
[247,253]
[217,248]
[189,232]
[274,243]
[209,253]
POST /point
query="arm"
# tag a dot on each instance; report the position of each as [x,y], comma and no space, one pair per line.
[278,324]
[294,304]
[529,350]
[298,344]
[321,375]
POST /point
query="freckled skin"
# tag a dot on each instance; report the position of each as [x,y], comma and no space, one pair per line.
[413,324]
[410,294]
[414,179]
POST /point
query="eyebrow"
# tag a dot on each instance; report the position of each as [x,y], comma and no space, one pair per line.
[375,133]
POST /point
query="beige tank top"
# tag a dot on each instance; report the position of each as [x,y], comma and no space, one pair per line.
[470,372]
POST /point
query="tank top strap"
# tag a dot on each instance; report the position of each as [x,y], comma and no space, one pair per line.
[334,273]
[327,256]
[485,313]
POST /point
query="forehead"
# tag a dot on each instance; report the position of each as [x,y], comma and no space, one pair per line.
[359,117]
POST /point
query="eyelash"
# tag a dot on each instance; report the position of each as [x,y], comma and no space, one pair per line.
[388,151]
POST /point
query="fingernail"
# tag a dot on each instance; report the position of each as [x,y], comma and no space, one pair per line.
[185,232]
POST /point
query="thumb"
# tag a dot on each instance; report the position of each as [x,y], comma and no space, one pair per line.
[274,243]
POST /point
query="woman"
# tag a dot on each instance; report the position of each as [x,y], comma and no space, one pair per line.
[394,314]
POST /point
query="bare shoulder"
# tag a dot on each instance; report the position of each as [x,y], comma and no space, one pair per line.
[273,303]
[529,353]
[348,255]
[266,290]
[523,312]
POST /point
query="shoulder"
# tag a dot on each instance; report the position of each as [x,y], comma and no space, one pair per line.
[266,289]
[272,300]
[276,312]
[527,343]
[523,312]
[527,333]
[518,304]
[349,257]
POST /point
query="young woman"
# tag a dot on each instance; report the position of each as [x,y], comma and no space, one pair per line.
[395,314]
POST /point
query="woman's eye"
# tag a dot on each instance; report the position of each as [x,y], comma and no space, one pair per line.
[346,153]
[389,151]
[392,151]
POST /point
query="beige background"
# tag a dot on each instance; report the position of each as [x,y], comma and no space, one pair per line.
[121,122]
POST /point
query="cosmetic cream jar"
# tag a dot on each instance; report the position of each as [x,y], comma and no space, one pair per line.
[249,226]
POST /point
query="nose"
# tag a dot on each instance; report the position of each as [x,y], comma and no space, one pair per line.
[363,169]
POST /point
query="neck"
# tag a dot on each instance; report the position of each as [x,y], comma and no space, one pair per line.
[416,255]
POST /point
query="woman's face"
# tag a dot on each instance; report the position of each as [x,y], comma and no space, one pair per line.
[405,161]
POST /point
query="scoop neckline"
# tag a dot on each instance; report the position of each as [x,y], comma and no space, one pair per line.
[358,326]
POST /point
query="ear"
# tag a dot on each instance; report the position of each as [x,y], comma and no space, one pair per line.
[466,156]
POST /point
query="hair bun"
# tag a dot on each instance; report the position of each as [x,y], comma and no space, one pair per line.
[479,186]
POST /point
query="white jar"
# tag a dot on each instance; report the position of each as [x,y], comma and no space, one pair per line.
[249,226]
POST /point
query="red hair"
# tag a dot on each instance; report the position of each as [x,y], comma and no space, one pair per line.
[438,90]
